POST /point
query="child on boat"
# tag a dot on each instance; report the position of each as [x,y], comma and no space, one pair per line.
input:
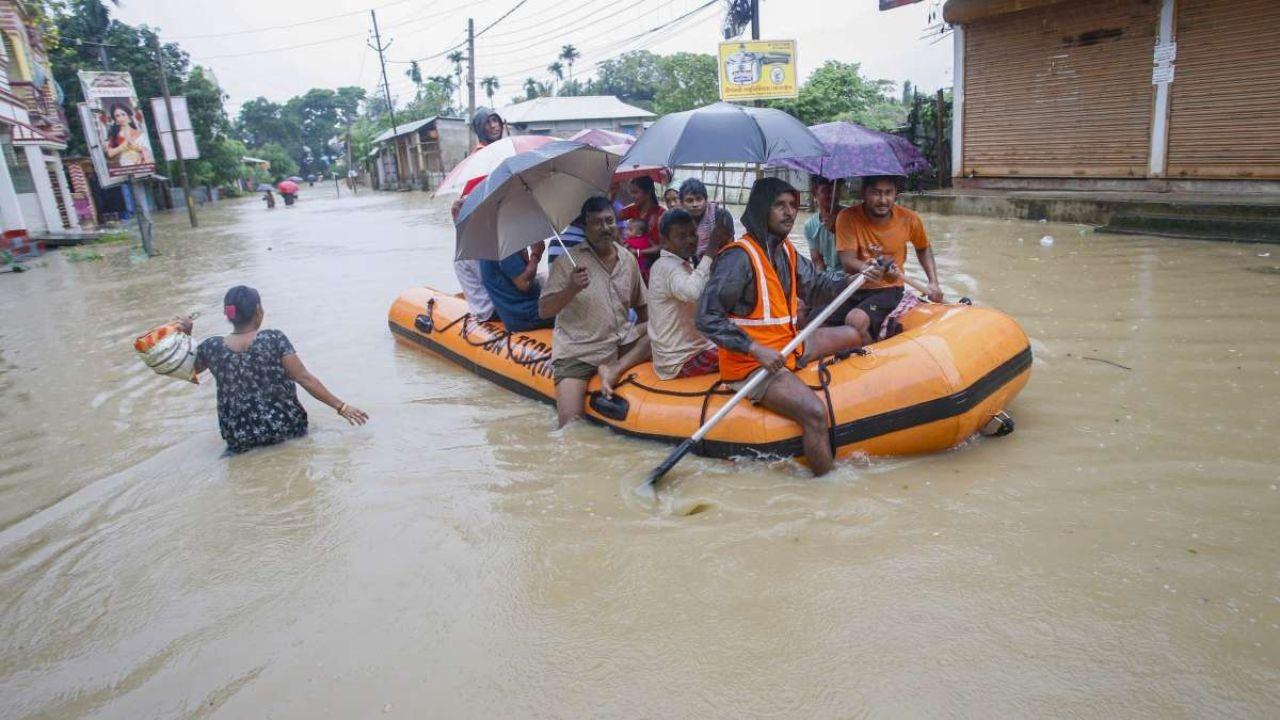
[640,245]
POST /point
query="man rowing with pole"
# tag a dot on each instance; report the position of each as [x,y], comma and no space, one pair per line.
[748,309]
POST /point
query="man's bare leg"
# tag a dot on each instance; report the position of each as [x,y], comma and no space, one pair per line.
[861,322]
[789,396]
[829,341]
[570,400]
[640,351]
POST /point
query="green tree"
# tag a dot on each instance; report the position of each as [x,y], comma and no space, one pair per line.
[836,89]
[557,73]
[634,77]
[688,80]
[570,55]
[414,73]
[282,163]
[530,88]
[456,57]
[490,85]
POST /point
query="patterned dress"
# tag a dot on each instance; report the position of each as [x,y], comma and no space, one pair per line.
[257,401]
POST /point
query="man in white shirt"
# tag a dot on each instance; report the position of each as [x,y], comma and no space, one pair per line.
[679,350]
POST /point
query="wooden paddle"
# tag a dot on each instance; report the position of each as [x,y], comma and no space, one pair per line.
[756,378]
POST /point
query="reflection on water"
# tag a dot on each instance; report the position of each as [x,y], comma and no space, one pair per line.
[460,557]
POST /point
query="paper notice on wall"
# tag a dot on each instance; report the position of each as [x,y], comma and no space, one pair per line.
[1162,75]
[1166,53]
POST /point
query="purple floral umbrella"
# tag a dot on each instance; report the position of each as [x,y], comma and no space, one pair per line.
[856,151]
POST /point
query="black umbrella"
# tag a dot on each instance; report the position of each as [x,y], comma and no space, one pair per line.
[720,133]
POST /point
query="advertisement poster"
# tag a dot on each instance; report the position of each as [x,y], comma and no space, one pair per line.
[758,70]
[119,124]
[181,118]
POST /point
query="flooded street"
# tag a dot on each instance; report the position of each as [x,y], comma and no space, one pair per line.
[1117,556]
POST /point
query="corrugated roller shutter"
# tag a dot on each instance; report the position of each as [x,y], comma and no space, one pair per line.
[1224,119]
[1061,91]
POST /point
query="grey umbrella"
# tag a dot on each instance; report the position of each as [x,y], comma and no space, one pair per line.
[529,197]
[722,132]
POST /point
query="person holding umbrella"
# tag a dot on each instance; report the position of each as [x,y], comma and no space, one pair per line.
[591,298]
[748,309]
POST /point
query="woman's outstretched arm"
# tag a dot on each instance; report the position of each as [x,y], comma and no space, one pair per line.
[299,374]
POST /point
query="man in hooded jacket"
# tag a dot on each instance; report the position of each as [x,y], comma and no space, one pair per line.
[488,126]
[749,310]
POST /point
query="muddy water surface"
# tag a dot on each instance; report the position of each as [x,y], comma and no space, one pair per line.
[457,557]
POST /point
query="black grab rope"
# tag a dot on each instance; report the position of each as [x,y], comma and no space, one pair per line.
[426,324]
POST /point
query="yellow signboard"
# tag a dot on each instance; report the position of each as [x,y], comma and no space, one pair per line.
[758,70]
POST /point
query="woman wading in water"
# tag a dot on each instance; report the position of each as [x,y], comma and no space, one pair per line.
[256,371]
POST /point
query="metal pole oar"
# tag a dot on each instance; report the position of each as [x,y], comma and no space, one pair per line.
[560,240]
[756,378]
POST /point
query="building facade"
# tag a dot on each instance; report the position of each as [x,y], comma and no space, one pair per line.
[1117,94]
[35,196]
[564,116]
[416,155]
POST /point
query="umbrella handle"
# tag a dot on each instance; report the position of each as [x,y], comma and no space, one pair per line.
[560,240]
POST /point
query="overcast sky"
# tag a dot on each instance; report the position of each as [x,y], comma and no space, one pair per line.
[325,43]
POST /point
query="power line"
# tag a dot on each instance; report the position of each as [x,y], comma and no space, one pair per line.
[286,26]
[448,50]
[626,41]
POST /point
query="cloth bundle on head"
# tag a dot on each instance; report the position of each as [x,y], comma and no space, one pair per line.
[755,218]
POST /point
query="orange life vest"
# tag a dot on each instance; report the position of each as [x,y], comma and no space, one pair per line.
[772,322]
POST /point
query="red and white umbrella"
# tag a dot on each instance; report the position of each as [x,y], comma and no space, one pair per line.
[597,137]
[475,167]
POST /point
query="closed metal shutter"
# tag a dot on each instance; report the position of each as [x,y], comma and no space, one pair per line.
[1224,119]
[1060,91]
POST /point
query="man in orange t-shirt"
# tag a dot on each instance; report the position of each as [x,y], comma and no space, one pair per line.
[876,233]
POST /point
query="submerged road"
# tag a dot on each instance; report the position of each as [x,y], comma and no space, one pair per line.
[458,557]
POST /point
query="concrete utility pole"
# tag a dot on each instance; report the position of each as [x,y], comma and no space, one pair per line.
[351,178]
[173,133]
[386,89]
[471,76]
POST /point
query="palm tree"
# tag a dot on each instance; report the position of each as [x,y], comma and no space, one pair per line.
[414,74]
[557,71]
[570,54]
[490,85]
[530,88]
[445,83]
[456,57]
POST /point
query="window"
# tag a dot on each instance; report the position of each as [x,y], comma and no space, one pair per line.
[19,170]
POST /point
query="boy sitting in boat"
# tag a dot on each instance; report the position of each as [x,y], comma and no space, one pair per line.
[591,299]
[748,309]
[675,283]
[878,230]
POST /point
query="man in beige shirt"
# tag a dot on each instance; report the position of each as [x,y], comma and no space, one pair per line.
[591,300]
[675,283]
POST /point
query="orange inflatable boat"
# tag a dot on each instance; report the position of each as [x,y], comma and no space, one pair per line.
[949,374]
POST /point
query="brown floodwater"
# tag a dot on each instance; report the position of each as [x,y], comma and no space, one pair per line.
[1117,556]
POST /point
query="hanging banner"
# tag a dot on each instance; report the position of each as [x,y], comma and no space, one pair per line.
[119,124]
[181,118]
[758,70]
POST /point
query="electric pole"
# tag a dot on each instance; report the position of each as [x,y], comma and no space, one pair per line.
[386,90]
[755,35]
[173,132]
[471,76]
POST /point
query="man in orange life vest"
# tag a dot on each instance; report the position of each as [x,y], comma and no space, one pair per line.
[748,309]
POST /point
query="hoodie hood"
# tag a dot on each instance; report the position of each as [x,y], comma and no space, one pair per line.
[755,218]
[478,122]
